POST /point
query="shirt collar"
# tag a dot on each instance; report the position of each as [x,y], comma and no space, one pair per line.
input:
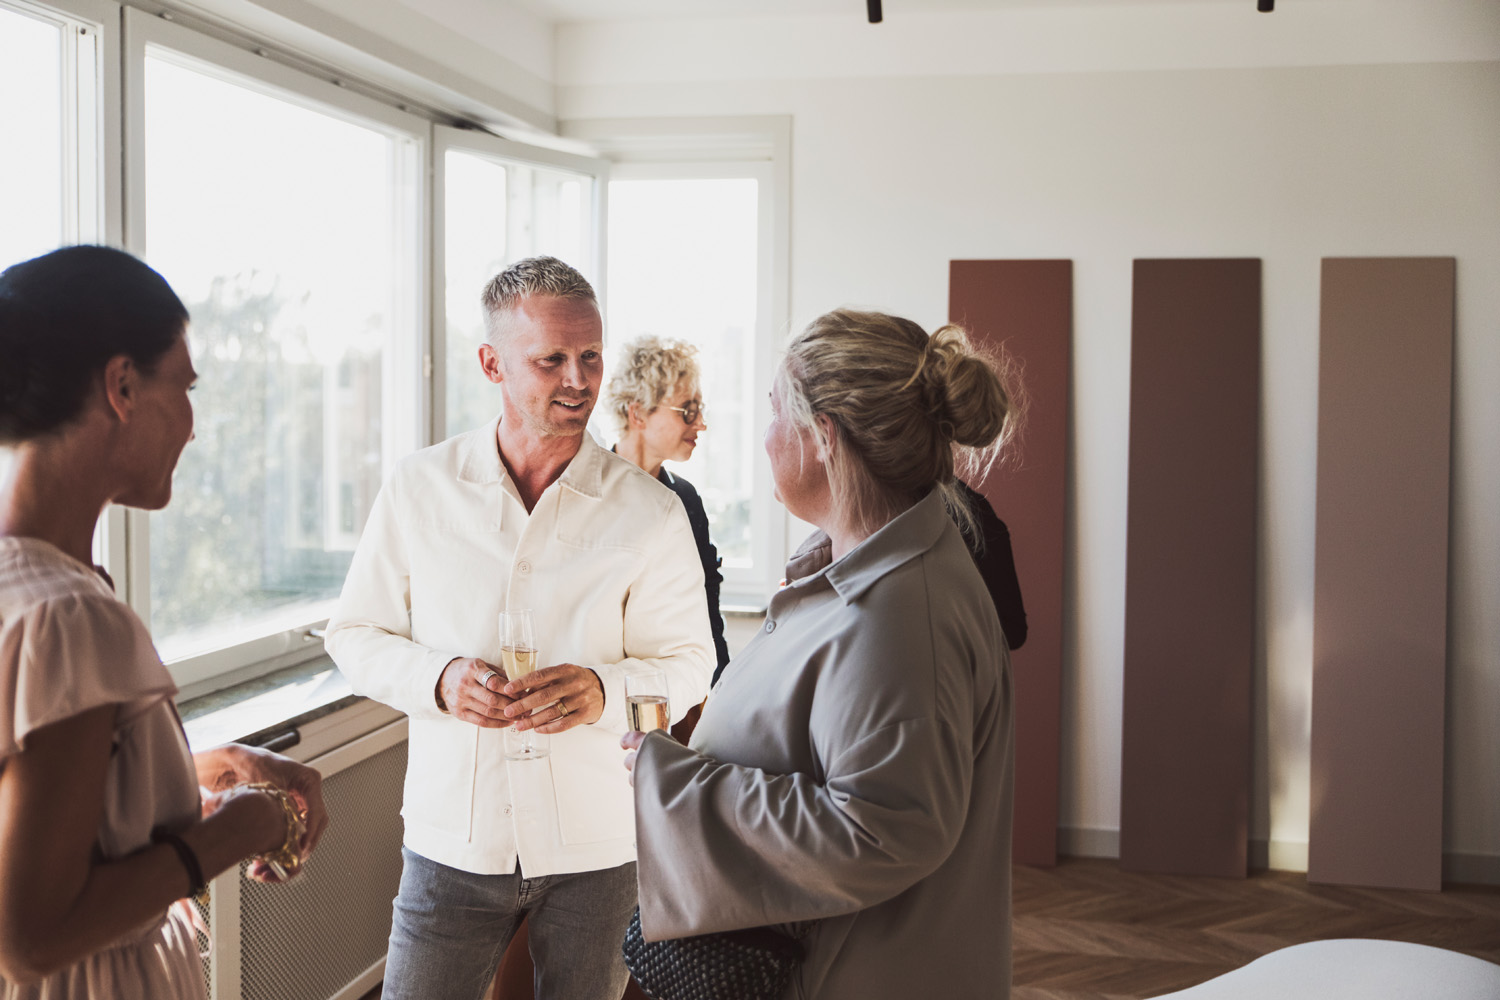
[904,538]
[480,462]
[585,474]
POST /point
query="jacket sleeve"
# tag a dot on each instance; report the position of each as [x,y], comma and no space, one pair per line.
[665,623]
[713,579]
[369,635]
[723,846]
[997,565]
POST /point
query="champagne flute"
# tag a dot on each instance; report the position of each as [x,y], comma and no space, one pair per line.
[646,705]
[518,658]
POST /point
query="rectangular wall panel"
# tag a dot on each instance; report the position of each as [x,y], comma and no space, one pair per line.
[1190,566]
[1026,307]
[1385,377]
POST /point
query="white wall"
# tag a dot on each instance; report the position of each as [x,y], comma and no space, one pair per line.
[1335,136]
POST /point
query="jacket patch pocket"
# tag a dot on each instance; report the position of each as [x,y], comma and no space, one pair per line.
[586,523]
[441,756]
[594,799]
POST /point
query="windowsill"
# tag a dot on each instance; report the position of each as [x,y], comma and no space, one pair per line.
[260,710]
[269,709]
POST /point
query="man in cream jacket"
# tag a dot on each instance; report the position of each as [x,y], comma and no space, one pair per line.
[526,512]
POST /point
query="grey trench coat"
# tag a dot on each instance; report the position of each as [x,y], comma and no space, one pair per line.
[851,777]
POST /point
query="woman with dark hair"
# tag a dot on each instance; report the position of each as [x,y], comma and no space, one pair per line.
[102,826]
[850,782]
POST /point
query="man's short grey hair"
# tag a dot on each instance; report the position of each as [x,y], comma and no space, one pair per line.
[531,276]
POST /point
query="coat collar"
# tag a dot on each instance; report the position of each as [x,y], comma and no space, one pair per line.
[904,538]
[479,462]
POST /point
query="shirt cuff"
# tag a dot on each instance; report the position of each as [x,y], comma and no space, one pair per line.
[612,679]
[423,692]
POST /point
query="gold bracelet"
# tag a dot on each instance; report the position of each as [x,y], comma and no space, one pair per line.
[286,859]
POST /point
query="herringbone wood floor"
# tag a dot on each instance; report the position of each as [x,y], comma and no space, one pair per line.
[1087,931]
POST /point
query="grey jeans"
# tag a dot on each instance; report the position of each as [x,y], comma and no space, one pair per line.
[451,928]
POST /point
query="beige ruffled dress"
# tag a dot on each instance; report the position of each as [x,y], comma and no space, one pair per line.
[68,644]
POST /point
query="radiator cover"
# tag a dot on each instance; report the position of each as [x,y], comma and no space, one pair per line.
[323,935]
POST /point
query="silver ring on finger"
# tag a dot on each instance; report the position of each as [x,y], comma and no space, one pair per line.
[484,679]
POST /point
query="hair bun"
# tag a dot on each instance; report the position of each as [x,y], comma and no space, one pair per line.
[969,399]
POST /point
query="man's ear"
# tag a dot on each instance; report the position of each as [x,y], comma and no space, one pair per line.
[121,379]
[489,362]
[636,420]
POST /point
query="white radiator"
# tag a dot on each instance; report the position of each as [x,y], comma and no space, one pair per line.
[323,935]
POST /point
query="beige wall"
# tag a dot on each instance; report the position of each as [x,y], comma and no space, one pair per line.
[893,177]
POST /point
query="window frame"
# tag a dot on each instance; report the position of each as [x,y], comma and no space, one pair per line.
[501,151]
[746,588]
[405,391]
[93,210]
[720,147]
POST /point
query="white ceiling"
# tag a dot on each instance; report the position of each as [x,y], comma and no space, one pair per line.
[558,11]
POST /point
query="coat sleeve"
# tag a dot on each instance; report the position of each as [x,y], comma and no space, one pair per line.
[665,623]
[723,846]
[369,635]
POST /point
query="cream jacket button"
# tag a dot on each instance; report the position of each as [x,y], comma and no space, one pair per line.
[523,567]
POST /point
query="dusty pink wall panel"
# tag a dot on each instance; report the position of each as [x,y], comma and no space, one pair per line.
[1190,566]
[1027,306]
[1381,592]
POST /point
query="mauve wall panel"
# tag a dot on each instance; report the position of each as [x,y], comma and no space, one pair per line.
[1026,307]
[1381,590]
[1190,566]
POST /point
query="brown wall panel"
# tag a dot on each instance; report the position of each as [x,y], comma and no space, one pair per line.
[1381,592]
[1026,306]
[1190,566]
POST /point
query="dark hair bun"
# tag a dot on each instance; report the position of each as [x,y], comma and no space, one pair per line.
[63,315]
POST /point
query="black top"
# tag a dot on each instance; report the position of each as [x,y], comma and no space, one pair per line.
[698,518]
[997,566]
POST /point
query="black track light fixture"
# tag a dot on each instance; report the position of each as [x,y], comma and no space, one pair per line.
[1265,6]
[873,7]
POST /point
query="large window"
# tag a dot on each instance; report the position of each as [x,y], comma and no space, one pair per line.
[682,264]
[499,208]
[331,247]
[689,259]
[288,226]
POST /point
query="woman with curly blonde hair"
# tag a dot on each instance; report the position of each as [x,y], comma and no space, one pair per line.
[658,406]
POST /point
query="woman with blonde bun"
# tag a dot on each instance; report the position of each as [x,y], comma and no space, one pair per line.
[102,824]
[850,782]
[658,406]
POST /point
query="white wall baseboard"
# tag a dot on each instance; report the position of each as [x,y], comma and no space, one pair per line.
[1280,855]
[1084,842]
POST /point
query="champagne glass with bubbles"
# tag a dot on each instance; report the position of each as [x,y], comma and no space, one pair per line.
[518,658]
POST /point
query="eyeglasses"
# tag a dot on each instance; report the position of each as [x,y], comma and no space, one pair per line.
[691,412]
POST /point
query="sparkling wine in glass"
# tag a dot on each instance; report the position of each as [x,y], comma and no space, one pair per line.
[517,659]
[646,706]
